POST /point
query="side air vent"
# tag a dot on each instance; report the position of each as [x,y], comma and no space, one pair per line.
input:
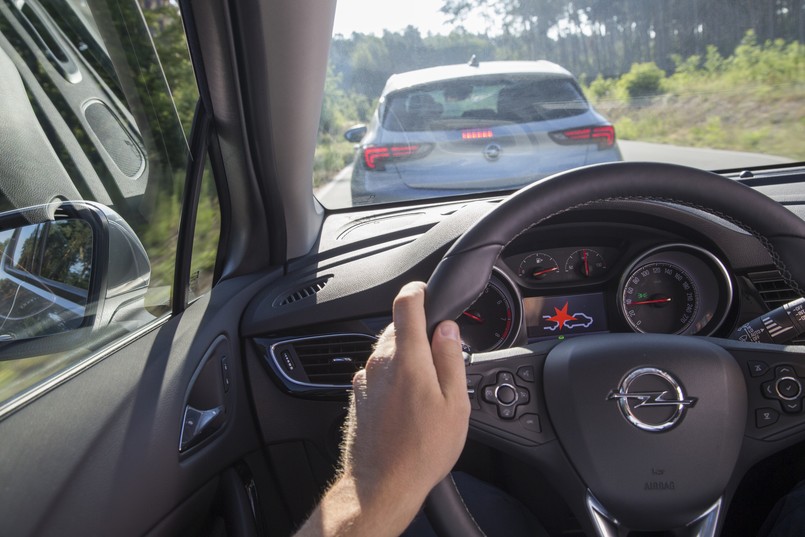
[319,362]
[306,290]
[774,292]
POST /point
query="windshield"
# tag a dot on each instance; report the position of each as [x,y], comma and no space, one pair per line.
[432,98]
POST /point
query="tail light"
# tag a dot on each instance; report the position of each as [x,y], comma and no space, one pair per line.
[375,157]
[603,135]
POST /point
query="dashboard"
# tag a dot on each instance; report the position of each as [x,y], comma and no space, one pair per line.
[615,266]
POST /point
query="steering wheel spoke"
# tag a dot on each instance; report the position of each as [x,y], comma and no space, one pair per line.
[505,389]
[704,525]
[775,380]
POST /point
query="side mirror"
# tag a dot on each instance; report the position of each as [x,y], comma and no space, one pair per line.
[64,267]
[356,133]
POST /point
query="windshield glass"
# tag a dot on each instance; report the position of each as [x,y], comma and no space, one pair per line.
[433,98]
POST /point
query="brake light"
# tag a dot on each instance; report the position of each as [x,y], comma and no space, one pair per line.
[375,157]
[476,134]
[604,136]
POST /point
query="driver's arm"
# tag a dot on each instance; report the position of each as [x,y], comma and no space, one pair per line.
[406,429]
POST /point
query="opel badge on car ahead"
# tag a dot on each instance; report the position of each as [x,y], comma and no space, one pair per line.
[492,152]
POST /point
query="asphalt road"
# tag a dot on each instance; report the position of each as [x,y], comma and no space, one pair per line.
[696,157]
[335,194]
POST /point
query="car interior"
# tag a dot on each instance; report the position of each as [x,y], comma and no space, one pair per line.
[179,409]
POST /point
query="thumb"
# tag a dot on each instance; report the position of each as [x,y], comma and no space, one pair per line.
[448,360]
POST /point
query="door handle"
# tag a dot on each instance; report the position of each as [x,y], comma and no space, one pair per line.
[199,424]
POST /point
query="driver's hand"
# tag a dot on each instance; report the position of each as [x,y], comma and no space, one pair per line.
[407,425]
[410,411]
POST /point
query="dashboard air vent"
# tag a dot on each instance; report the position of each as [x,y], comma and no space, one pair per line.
[321,361]
[772,288]
[774,292]
[304,291]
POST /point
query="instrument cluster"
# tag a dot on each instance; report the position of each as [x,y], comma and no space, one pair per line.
[672,288]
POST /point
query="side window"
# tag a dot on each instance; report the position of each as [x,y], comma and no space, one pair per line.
[99,96]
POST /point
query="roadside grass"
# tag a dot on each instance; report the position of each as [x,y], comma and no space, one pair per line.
[333,153]
[759,119]
[753,100]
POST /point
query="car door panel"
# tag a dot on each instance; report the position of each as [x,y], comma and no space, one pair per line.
[100,453]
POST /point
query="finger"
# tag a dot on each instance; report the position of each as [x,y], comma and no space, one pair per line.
[359,381]
[382,354]
[409,325]
[385,344]
[348,429]
[448,360]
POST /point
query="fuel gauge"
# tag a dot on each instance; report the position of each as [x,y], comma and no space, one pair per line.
[537,266]
[586,262]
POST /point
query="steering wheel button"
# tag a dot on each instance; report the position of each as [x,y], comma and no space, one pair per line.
[768,390]
[530,422]
[505,377]
[472,383]
[765,417]
[506,394]
[788,388]
[792,407]
[526,373]
[522,396]
[506,412]
[489,394]
[757,368]
[784,371]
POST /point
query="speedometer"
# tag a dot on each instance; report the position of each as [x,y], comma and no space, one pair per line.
[659,297]
[676,288]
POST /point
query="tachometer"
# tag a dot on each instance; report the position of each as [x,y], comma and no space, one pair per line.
[659,298]
[490,321]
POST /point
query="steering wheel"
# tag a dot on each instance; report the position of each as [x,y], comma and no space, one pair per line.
[641,432]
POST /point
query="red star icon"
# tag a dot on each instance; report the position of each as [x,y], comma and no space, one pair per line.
[561,317]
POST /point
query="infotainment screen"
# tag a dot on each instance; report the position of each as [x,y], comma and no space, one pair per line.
[555,316]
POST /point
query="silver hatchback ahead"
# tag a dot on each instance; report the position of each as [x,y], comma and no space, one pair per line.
[458,129]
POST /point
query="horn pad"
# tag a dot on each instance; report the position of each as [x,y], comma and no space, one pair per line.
[652,423]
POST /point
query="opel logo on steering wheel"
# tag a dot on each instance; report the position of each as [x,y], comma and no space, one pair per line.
[651,399]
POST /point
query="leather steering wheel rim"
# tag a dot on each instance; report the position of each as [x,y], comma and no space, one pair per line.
[463,273]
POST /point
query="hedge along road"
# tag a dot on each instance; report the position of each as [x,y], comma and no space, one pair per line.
[336,193]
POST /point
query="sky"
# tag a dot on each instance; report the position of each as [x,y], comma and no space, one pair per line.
[374,16]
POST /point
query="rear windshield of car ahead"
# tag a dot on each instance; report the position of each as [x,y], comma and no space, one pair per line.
[461,104]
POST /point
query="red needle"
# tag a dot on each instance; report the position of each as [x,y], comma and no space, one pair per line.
[473,317]
[586,266]
[655,301]
[545,271]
